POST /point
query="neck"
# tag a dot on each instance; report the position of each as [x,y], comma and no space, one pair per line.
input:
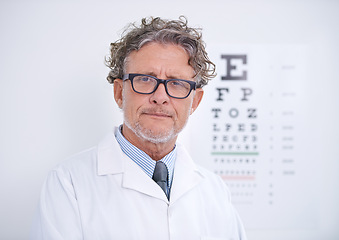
[156,151]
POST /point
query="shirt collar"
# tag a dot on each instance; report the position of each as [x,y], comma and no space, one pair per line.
[144,161]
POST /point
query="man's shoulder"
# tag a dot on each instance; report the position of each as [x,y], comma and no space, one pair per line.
[209,175]
[87,158]
[205,172]
[214,183]
[80,160]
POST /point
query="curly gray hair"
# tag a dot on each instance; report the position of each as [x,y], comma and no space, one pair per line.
[165,32]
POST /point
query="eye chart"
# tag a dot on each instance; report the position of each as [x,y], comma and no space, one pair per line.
[250,131]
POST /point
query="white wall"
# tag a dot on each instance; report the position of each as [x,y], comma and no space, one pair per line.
[55,101]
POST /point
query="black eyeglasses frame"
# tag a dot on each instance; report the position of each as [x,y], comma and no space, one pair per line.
[131,76]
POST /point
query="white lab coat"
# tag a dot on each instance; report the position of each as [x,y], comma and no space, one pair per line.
[101,194]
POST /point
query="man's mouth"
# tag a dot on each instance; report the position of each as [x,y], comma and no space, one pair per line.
[157,114]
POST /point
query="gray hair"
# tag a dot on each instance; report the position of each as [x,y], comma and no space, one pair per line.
[164,32]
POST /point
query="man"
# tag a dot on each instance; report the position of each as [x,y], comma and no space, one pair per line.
[138,183]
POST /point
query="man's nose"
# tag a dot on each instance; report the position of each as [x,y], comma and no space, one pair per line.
[160,96]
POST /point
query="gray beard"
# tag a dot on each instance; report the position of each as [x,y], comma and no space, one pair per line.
[148,134]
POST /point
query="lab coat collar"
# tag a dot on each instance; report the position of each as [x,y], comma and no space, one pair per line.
[186,175]
[111,160]
[108,151]
[135,178]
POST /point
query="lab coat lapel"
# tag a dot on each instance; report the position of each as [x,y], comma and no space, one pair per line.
[186,175]
[135,178]
[111,160]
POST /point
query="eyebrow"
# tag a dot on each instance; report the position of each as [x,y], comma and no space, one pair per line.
[168,77]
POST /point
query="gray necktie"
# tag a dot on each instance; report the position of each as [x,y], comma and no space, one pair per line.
[160,175]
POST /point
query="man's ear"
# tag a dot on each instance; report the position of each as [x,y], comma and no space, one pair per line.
[199,92]
[118,85]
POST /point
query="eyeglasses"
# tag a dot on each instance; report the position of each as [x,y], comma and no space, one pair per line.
[146,84]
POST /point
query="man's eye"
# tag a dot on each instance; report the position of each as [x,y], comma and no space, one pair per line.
[145,79]
[177,84]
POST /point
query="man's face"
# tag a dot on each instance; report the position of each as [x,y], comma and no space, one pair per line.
[156,117]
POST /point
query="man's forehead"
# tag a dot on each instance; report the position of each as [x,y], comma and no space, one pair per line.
[170,74]
[160,60]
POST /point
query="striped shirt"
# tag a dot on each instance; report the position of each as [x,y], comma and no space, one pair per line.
[143,160]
